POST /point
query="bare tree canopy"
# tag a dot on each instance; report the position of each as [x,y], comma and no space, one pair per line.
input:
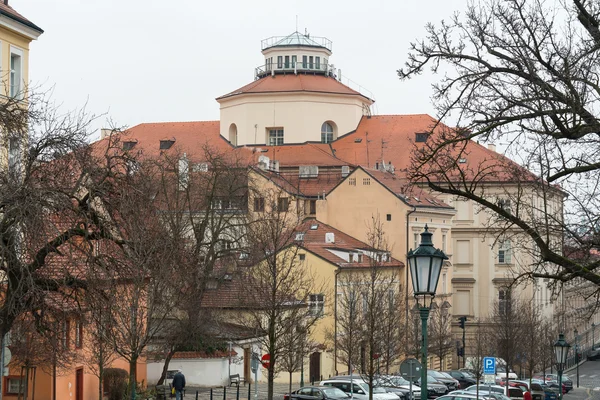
[523,74]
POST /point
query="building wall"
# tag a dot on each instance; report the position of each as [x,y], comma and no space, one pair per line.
[9,38]
[301,115]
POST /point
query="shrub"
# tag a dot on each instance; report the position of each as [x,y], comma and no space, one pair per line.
[115,383]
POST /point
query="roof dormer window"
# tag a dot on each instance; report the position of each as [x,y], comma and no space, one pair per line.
[128,145]
[166,144]
[421,137]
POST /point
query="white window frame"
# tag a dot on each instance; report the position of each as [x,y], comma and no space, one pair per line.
[504,252]
[18,93]
[20,383]
[316,304]
[327,132]
[275,136]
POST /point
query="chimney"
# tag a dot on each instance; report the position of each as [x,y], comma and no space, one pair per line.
[492,147]
[104,132]
[6,2]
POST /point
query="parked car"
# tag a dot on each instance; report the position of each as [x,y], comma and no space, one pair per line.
[398,382]
[450,382]
[554,385]
[594,353]
[550,394]
[537,391]
[568,383]
[482,394]
[486,388]
[459,396]
[358,388]
[317,392]
[434,388]
[464,378]
[546,377]
[501,374]
[447,375]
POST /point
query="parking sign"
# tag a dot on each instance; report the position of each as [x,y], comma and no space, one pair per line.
[489,365]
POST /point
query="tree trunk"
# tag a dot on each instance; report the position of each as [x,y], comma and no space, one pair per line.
[163,376]
[290,390]
[100,379]
[270,379]
[133,377]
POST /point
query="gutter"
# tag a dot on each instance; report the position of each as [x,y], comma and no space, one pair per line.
[337,272]
[407,267]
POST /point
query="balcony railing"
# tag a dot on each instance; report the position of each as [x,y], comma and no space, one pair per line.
[309,41]
[291,67]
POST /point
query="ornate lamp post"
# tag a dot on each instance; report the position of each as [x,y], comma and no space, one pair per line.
[561,350]
[593,327]
[425,266]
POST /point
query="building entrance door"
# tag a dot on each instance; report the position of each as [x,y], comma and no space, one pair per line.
[79,384]
[315,367]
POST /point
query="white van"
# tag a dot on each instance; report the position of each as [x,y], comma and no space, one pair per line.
[360,389]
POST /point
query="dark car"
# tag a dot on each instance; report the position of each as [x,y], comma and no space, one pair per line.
[464,379]
[594,353]
[568,383]
[537,391]
[450,382]
[316,392]
[434,388]
[550,394]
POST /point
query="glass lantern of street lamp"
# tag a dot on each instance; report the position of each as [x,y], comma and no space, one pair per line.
[561,349]
[425,267]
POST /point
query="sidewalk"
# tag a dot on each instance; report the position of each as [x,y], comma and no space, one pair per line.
[231,392]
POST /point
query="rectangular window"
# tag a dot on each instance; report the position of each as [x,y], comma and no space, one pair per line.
[14,156]
[16,72]
[304,64]
[287,61]
[279,61]
[504,252]
[78,334]
[294,60]
[388,217]
[310,62]
[421,137]
[302,257]
[318,62]
[276,137]
[66,332]
[352,181]
[444,243]
[283,204]
[444,281]
[313,207]
[366,181]
[415,240]
[166,144]
[504,301]
[505,205]
[15,385]
[259,204]
[316,304]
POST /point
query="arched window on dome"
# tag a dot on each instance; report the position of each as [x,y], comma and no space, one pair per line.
[328,132]
[233,137]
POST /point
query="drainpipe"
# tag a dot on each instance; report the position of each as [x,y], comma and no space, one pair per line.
[406,266]
[337,272]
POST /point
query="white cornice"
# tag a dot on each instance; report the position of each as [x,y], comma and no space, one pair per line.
[19,27]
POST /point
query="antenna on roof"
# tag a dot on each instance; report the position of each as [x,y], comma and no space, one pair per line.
[296,22]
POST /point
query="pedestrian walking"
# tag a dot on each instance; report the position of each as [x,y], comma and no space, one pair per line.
[178,384]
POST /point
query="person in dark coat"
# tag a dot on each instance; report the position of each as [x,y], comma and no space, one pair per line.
[178,384]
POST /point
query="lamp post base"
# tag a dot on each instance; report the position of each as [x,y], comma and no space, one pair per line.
[424,313]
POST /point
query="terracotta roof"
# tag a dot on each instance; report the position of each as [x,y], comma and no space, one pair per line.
[304,187]
[10,12]
[409,193]
[188,137]
[307,153]
[294,83]
[398,133]
[314,241]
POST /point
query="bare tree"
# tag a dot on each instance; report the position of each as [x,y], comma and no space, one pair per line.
[507,329]
[278,288]
[522,73]
[439,332]
[533,336]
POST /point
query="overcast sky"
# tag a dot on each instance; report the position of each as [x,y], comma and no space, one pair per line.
[149,60]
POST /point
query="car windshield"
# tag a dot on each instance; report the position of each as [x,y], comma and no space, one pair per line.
[334,392]
[435,374]
[399,381]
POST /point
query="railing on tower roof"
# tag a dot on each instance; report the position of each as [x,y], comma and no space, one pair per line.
[296,39]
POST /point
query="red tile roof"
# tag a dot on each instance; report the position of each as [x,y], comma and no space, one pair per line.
[294,83]
[291,182]
[314,241]
[391,138]
[308,153]
[204,354]
[10,12]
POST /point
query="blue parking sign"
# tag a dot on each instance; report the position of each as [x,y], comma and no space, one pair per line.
[489,365]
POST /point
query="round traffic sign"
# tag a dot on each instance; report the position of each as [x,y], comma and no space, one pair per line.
[266,360]
[410,369]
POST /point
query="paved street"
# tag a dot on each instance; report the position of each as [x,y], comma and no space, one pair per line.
[589,377]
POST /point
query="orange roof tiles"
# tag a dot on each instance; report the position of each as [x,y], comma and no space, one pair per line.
[294,83]
[314,241]
[308,153]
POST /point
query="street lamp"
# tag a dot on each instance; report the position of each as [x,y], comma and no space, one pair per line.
[561,349]
[577,353]
[425,266]
[593,327]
